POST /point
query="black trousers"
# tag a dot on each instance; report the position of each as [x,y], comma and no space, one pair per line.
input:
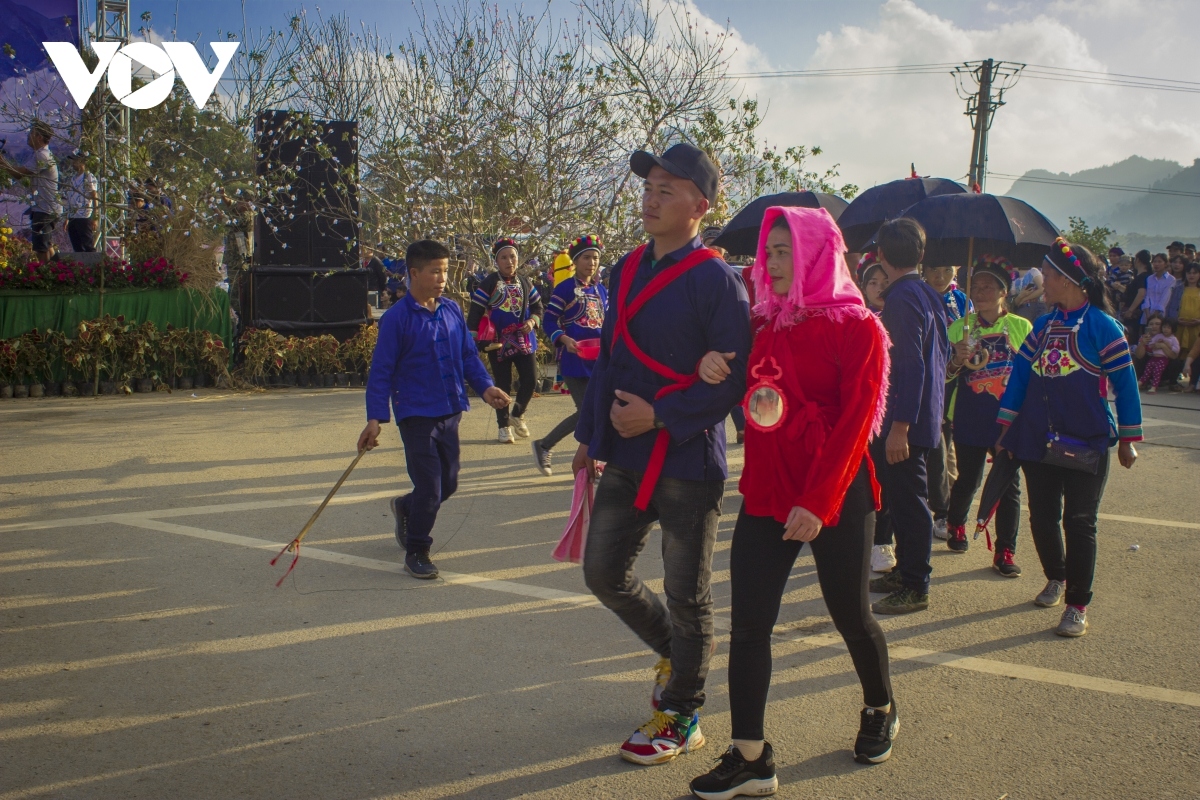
[578,388]
[502,374]
[682,630]
[972,462]
[83,237]
[759,564]
[939,468]
[1065,501]
[907,490]
[883,519]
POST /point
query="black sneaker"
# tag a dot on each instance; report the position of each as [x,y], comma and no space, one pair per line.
[418,565]
[541,456]
[887,584]
[734,776]
[876,731]
[401,519]
[957,540]
[1003,563]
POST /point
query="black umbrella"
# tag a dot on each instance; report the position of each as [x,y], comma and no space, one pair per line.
[959,227]
[878,204]
[740,236]
[999,478]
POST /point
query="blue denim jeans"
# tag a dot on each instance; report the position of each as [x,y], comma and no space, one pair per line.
[682,630]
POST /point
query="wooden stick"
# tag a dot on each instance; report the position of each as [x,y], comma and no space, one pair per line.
[294,544]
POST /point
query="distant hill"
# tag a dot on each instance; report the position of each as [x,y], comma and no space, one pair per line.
[1160,214]
[1059,201]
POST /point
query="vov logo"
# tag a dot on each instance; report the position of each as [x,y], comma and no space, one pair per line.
[166,60]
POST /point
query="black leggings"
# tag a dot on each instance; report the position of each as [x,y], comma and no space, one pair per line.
[502,374]
[578,388]
[1065,501]
[882,524]
[759,564]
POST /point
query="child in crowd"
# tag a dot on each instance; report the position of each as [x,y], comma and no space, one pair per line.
[872,283]
[1159,347]
[942,281]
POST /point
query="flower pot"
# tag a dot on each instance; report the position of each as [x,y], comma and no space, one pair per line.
[200,380]
[6,391]
[144,385]
[20,390]
[342,379]
[108,387]
[51,388]
[36,390]
[302,380]
[258,380]
[183,383]
[289,379]
[69,389]
[355,380]
[328,380]
[86,388]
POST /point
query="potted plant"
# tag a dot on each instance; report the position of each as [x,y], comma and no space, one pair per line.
[327,358]
[260,353]
[52,346]
[212,356]
[292,353]
[8,368]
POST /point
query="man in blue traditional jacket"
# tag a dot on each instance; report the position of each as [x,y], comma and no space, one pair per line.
[423,355]
[916,321]
[662,434]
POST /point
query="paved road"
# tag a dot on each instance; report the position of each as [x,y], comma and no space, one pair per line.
[145,652]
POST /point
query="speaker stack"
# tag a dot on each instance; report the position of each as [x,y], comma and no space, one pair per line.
[306,278]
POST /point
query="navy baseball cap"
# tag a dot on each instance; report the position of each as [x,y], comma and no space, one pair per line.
[683,161]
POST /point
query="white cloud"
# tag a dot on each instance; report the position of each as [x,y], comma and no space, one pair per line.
[875,126]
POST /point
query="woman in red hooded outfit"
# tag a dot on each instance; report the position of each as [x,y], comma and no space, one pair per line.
[817,386]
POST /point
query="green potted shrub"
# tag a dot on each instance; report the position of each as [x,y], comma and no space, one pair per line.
[327,359]
[212,357]
[8,368]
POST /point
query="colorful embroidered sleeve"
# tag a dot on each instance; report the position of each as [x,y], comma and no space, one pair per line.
[555,308]
[1117,365]
[1018,380]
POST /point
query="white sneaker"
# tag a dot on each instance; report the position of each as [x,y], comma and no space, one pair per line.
[883,558]
[520,427]
[505,436]
[940,530]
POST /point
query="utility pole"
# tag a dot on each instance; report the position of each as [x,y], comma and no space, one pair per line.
[992,78]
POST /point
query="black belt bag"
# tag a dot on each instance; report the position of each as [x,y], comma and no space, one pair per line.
[1063,451]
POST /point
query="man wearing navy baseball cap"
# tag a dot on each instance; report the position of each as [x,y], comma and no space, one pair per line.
[662,434]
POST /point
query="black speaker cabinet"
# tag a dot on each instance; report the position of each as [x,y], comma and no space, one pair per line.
[300,301]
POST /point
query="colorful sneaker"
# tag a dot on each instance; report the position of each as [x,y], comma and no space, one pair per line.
[902,601]
[1003,563]
[1052,595]
[876,732]
[940,529]
[520,427]
[734,776]
[505,436]
[1073,623]
[663,737]
[662,676]
[417,564]
[541,457]
[957,540]
[887,584]
[883,558]
[401,519]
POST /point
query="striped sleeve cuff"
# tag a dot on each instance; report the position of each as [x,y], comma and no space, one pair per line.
[555,336]
[1130,433]
[1006,417]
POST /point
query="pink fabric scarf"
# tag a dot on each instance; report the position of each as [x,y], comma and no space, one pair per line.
[821,282]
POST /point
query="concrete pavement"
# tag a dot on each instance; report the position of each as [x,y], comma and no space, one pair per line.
[144,651]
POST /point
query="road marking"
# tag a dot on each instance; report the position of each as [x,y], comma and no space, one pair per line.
[1150,422]
[897,652]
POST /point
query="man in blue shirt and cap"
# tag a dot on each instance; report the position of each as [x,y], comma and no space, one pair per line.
[423,355]
[662,434]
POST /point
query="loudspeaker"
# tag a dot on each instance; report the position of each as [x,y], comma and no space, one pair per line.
[312,217]
[299,301]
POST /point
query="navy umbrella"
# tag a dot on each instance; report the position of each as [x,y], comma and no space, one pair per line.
[739,237]
[878,204]
[959,227]
[999,478]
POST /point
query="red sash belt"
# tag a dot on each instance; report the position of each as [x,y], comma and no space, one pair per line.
[678,381]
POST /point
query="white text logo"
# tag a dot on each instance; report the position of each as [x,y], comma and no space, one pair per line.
[166,60]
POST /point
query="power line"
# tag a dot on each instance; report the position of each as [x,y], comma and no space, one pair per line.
[1115,187]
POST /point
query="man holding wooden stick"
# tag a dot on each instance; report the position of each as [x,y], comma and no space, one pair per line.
[423,355]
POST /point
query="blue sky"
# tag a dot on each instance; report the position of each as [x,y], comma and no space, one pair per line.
[874,127]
